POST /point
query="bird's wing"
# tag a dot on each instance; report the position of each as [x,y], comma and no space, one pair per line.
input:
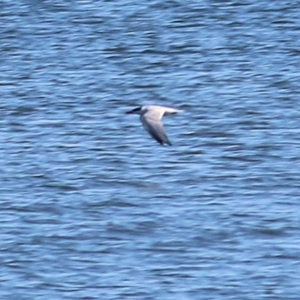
[170,110]
[164,110]
[151,122]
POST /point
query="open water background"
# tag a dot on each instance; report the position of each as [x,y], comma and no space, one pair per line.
[92,207]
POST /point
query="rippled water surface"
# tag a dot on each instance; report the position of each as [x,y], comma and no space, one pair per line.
[92,207]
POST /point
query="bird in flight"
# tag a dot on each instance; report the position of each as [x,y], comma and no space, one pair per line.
[150,116]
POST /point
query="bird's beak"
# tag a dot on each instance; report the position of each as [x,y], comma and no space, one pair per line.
[129,112]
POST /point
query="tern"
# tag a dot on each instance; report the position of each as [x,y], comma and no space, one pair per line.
[150,116]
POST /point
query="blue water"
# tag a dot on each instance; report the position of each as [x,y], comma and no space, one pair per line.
[92,207]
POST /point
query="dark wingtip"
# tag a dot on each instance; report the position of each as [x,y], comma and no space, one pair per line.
[166,143]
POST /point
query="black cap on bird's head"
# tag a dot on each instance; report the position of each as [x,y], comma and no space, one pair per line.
[134,111]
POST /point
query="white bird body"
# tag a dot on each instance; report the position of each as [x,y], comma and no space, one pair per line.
[150,116]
